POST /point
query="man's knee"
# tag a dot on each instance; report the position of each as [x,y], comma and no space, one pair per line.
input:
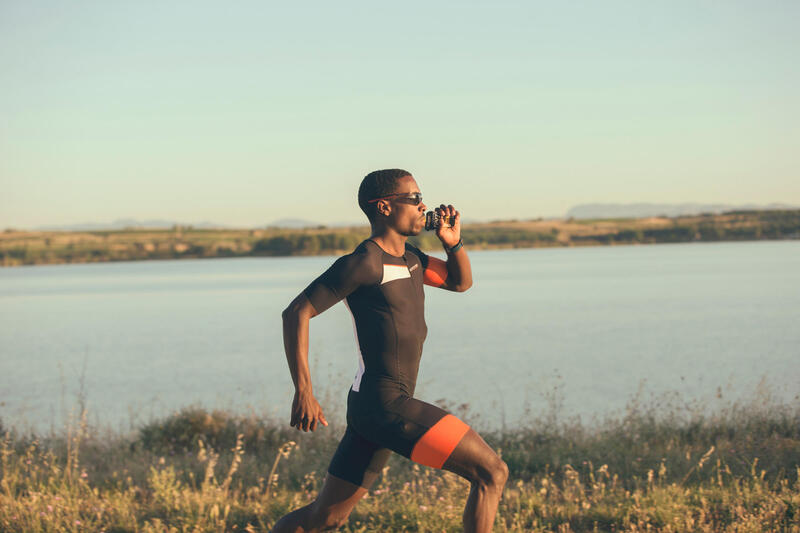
[501,472]
[498,472]
[494,473]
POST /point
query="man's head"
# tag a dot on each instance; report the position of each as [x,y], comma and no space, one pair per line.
[386,197]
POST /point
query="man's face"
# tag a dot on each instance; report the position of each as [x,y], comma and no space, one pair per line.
[406,218]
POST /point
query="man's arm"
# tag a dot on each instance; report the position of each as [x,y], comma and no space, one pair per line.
[306,411]
[344,276]
[459,271]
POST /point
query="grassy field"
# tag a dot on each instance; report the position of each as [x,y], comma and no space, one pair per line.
[662,467]
[30,247]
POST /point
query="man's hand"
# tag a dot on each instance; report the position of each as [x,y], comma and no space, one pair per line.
[449,235]
[306,412]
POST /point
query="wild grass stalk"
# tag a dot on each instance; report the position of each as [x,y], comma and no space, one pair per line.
[734,470]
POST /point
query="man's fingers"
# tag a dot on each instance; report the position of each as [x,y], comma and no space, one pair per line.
[302,417]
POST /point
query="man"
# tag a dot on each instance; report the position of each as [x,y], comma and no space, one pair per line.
[382,283]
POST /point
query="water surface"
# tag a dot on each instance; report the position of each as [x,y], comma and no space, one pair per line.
[579,328]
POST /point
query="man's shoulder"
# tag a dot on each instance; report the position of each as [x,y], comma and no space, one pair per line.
[423,257]
[411,248]
[365,258]
[366,250]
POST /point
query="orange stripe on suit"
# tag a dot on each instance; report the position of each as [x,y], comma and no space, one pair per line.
[436,445]
[435,273]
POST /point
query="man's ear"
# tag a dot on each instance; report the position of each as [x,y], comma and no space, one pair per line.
[383,208]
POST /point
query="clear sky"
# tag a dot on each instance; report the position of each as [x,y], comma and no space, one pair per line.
[243,112]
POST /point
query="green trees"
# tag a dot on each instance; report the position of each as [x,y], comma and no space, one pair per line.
[296,243]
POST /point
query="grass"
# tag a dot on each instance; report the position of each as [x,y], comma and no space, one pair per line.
[658,467]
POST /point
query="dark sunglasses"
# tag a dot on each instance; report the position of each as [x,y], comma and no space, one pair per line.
[414,198]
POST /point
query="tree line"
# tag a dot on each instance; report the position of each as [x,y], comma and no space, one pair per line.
[79,247]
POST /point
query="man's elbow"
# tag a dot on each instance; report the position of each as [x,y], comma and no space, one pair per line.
[292,311]
[299,307]
[463,287]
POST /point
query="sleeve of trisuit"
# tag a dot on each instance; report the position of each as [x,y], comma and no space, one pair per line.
[344,276]
[434,269]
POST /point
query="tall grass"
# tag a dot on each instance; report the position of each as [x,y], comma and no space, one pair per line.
[651,468]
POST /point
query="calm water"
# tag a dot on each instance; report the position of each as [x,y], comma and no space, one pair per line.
[579,328]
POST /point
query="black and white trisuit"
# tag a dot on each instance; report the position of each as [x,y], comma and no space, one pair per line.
[386,298]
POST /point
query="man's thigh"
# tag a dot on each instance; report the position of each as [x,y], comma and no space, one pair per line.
[358,460]
[354,467]
[338,496]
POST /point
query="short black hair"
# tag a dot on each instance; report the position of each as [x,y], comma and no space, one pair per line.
[378,184]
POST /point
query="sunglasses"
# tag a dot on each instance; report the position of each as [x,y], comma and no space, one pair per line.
[414,198]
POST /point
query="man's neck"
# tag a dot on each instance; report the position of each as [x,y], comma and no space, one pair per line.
[389,240]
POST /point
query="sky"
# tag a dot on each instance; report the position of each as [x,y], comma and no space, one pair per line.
[248,112]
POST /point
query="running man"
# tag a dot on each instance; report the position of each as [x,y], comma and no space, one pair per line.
[381,282]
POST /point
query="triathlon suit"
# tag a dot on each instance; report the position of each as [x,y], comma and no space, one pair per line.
[384,294]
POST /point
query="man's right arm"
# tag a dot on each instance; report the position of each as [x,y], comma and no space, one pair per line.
[306,411]
[344,276]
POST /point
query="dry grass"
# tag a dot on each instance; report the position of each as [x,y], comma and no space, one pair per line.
[652,469]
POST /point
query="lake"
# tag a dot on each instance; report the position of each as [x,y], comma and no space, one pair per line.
[573,331]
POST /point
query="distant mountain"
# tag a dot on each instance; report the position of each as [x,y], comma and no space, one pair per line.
[349,224]
[122,223]
[654,210]
[293,223]
[298,223]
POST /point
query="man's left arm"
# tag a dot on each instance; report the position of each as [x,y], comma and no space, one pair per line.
[458,275]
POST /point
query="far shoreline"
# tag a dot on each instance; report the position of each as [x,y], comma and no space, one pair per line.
[27,248]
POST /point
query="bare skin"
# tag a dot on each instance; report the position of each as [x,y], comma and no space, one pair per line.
[328,511]
[472,459]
